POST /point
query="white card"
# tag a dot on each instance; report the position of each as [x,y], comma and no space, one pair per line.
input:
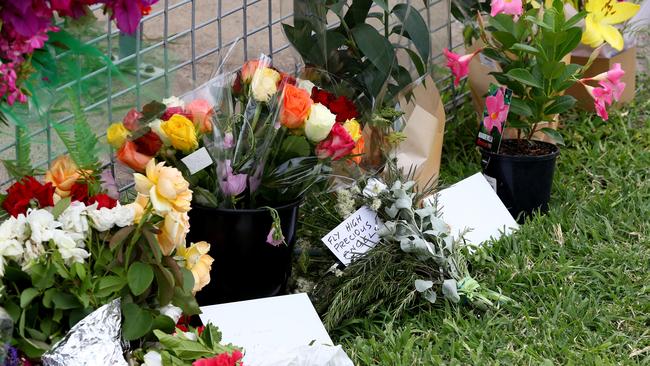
[473,204]
[264,327]
[197,161]
[354,236]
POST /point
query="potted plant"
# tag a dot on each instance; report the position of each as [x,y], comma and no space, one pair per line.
[374,61]
[529,45]
[250,143]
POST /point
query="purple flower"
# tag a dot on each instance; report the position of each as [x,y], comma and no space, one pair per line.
[231,184]
[228,140]
[275,238]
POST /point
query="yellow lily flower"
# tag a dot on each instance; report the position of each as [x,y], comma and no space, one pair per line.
[601,16]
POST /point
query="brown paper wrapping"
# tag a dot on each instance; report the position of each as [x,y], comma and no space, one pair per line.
[627,59]
[425,128]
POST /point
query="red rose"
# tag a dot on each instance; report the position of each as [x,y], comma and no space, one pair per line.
[322,96]
[169,112]
[79,192]
[223,359]
[343,108]
[148,144]
[28,193]
[103,200]
[338,144]
[237,85]
[132,119]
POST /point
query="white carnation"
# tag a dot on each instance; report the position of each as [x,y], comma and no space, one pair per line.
[123,215]
[14,228]
[42,225]
[32,251]
[152,358]
[68,248]
[174,312]
[173,101]
[102,219]
[9,248]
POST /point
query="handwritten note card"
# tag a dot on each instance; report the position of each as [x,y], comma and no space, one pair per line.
[354,236]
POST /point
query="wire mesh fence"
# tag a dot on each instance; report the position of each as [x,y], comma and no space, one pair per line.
[176,49]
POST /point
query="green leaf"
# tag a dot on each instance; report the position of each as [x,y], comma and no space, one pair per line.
[295,146]
[560,104]
[109,285]
[523,76]
[165,282]
[415,58]
[61,206]
[415,27]
[525,48]
[374,46]
[520,108]
[22,165]
[573,37]
[139,277]
[183,348]
[554,135]
[137,321]
[78,137]
[80,270]
[65,301]
[211,335]
[27,296]
[151,111]
[357,13]
[505,38]
[164,323]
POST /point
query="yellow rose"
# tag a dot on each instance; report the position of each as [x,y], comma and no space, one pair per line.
[139,205]
[172,234]
[265,84]
[165,187]
[181,133]
[354,129]
[198,262]
[116,134]
[63,174]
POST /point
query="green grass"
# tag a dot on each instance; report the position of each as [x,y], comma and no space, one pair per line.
[580,275]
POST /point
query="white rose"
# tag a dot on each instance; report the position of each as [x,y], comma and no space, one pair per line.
[152,358]
[102,219]
[155,127]
[320,122]
[68,248]
[306,85]
[173,101]
[123,215]
[174,312]
[74,221]
[265,84]
[42,224]
[374,187]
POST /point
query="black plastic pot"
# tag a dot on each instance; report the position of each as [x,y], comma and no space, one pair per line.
[523,183]
[245,266]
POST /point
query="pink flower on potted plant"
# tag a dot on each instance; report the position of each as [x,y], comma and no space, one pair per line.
[602,98]
[512,7]
[611,79]
[497,111]
[459,65]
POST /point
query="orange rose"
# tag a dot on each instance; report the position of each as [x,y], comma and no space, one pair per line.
[358,150]
[201,112]
[129,155]
[63,174]
[295,107]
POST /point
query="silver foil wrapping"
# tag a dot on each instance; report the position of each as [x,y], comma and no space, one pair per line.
[95,340]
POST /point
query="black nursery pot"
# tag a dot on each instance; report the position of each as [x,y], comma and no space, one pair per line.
[245,266]
[523,182]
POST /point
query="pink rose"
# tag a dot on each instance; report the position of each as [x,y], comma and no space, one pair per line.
[338,144]
[201,112]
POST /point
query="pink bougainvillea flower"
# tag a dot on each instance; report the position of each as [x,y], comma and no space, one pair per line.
[128,13]
[459,65]
[497,111]
[512,7]
[231,184]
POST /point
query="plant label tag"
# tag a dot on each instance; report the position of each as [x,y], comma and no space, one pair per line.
[354,236]
[497,105]
[197,161]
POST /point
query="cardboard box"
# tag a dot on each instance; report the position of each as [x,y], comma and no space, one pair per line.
[627,59]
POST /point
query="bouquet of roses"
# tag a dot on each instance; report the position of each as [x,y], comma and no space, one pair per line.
[68,246]
[262,133]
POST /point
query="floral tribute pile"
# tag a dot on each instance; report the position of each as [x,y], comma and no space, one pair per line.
[28,24]
[68,246]
[269,136]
